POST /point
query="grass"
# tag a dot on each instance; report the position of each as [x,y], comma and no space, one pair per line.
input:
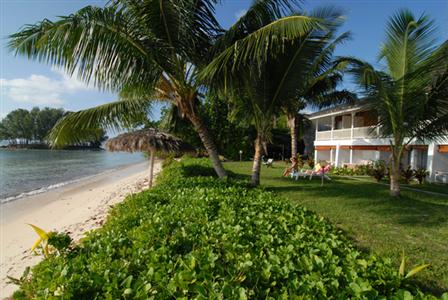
[427,187]
[416,223]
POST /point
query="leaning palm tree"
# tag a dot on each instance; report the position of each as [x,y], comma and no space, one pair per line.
[409,93]
[261,90]
[150,50]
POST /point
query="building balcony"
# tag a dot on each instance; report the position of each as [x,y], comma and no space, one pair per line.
[346,134]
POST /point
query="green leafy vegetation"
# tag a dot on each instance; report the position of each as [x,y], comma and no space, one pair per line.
[420,174]
[363,209]
[360,170]
[194,236]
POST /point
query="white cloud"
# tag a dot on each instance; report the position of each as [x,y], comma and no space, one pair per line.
[240,13]
[40,89]
[72,83]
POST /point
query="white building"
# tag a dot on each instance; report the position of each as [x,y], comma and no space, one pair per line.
[347,135]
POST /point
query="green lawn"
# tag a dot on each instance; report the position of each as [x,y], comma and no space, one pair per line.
[417,223]
[428,187]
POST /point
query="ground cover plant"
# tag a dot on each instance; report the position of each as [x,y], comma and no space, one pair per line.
[362,208]
[199,237]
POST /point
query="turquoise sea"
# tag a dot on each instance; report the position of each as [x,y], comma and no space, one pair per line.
[27,172]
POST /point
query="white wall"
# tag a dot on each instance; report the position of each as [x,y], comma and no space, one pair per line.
[323,155]
[361,156]
[385,156]
[440,162]
[436,161]
[344,157]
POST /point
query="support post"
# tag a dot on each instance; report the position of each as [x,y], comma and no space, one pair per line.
[353,126]
[332,126]
[432,152]
[331,155]
[151,167]
[413,158]
[351,155]
[315,155]
[336,159]
[377,155]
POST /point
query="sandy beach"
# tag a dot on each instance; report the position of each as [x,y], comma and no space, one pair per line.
[75,208]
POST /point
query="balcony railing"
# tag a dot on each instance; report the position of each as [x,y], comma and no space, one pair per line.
[344,134]
[323,135]
[363,132]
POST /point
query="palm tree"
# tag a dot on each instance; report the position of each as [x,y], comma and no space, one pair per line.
[261,91]
[317,79]
[151,50]
[409,93]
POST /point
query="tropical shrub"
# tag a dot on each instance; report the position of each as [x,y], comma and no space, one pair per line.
[363,169]
[203,238]
[310,162]
[359,170]
[344,171]
[420,174]
[379,170]
[407,174]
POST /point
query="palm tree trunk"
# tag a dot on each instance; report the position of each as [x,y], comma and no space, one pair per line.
[151,168]
[395,174]
[394,184]
[292,124]
[256,167]
[209,145]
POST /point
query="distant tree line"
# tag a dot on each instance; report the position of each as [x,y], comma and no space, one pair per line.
[31,127]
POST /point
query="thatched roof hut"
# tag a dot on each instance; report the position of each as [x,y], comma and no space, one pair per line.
[148,140]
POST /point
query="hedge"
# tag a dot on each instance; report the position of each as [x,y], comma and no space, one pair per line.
[198,237]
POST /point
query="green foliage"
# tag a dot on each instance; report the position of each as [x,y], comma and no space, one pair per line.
[407,174]
[420,174]
[413,271]
[310,162]
[203,238]
[379,170]
[344,171]
[61,241]
[231,134]
[34,126]
[24,125]
[359,170]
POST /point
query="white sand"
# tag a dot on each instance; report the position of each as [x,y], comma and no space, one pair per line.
[75,208]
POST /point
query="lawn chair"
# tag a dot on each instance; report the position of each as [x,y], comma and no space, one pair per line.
[269,162]
[300,173]
[323,171]
[441,176]
[318,170]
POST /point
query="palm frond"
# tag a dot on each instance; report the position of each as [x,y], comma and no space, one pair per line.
[258,46]
[96,43]
[111,116]
[259,14]
[333,98]
[409,41]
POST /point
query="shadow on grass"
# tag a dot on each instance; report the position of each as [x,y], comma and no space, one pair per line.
[411,208]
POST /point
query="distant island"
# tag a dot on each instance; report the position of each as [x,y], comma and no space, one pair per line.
[28,129]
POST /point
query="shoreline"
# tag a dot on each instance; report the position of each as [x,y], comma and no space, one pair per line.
[75,208]
[45,189]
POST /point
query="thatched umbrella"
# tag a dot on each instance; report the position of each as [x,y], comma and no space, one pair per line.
[148,140]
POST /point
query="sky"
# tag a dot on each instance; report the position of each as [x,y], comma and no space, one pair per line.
[25,83]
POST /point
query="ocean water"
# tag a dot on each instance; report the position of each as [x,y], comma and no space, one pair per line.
[27,172]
